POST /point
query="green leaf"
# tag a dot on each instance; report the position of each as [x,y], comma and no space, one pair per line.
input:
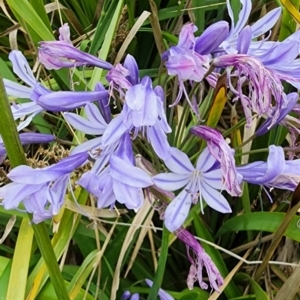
[261,221]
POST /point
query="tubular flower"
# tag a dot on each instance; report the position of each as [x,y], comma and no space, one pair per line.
[275,173]
[199,259]
[42,191]
[221,151]
[203,181]
[183,61]
[27,138]
[62,54]
[22,69]
[161,294]
[121,180]
[292,99]
[143,109]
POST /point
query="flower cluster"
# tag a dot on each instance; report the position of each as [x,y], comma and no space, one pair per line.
[256,70]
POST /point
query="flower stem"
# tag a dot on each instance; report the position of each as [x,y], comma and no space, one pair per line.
[16,156]
[161,265]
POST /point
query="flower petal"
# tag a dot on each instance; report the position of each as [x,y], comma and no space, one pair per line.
[178,210]
[128,174]
[171,181]
[179,162]
[17,90]
[21,67]
[214,199]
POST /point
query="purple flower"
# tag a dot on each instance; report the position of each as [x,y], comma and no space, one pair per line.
[161,293]
[211,38]
[263,85]
[275,173]
[93,124]
[199,259]
[143,110]
[204,181]
[62,54]
[221,151]
[42,191]
[121,180]
[22,69]
[183,61]
[258,28]
[27,138]
[292,99]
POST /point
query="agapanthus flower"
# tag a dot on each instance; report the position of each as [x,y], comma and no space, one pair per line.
[41,97]
[93,124]
[62,53]
[121,180]
[143,109]
[275,173]
[22,69]
[292,99]
[161,293]
[182,61]
[28,138]
[201,182]
[199,259]
[263,85]
[42,191]
[221,151]
[259,28]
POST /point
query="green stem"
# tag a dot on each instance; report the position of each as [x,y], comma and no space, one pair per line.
[161,266]
[16,156]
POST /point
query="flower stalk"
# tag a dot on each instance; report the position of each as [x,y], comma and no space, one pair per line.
[16,155]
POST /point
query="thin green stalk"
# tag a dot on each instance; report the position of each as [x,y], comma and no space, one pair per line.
[161,265]
[16,156]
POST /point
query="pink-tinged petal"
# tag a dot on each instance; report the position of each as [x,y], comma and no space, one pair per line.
[132,197]
[178,210]
[84,125]
[93,114]
[159,141]
[205,161]
[64,33]
[171,181]
[215,199]
[186,37]
[179,162]
[61,54]
[17,90]
[266,22]
[21,67]
[114,131]
[128,174]
[219,148]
